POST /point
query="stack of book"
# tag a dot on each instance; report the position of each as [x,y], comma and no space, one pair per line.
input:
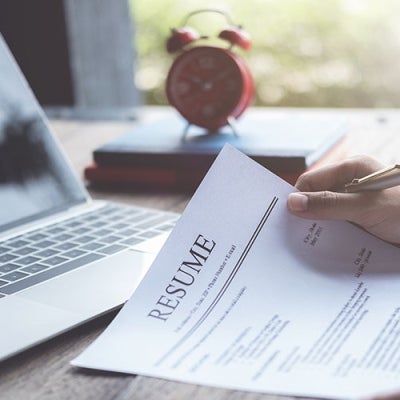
[159,155]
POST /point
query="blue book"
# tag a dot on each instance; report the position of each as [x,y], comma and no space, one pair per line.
[282,143]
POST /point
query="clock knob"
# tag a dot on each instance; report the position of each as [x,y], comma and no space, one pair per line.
[180,38]
[236,36]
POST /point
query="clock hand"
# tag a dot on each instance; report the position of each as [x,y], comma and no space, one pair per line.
[208,85]
[201,84]
[218,77]
[195,79]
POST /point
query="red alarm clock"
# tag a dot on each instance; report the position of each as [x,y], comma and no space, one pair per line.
[210,86]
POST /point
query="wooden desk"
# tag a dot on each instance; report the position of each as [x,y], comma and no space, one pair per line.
[44,371]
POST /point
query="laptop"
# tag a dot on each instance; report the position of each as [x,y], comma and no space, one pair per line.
[64,259]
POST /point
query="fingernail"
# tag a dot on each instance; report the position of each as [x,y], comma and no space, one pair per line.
[297,202]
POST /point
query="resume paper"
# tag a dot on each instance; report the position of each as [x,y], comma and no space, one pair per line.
[244,295]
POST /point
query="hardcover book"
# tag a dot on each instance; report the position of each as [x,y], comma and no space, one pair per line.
[283,144]
[181,178]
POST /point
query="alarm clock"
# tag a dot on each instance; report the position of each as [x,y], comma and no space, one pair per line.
[210,86]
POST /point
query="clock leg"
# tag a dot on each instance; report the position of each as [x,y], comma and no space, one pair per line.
[185,131]
[232,123]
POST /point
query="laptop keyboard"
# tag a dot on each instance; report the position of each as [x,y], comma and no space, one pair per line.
[45,253]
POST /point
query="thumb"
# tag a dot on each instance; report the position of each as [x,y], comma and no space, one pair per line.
[325,205]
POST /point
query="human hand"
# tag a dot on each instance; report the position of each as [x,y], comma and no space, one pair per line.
[390,396]
[378,212]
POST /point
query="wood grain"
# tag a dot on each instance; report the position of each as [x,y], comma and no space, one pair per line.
[44,371]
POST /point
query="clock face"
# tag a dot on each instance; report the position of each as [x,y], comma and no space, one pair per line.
[209,84]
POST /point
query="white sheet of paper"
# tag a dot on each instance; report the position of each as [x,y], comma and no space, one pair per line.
[245,295]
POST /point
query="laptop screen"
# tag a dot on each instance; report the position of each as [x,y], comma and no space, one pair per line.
[35,179]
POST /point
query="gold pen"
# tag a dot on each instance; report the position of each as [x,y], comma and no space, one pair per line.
[379,180]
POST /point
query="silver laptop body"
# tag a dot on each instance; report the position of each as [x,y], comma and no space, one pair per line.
[56,272]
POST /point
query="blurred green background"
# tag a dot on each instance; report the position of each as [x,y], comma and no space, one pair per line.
[305,53]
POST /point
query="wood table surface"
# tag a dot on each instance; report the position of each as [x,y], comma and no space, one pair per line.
[44,372]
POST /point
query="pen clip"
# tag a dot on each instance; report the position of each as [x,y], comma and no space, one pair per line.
[381,179]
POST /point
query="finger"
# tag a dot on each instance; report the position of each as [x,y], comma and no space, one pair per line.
[336,175]
[329,205]
[389,396]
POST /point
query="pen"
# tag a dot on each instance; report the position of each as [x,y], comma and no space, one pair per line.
[382,179]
